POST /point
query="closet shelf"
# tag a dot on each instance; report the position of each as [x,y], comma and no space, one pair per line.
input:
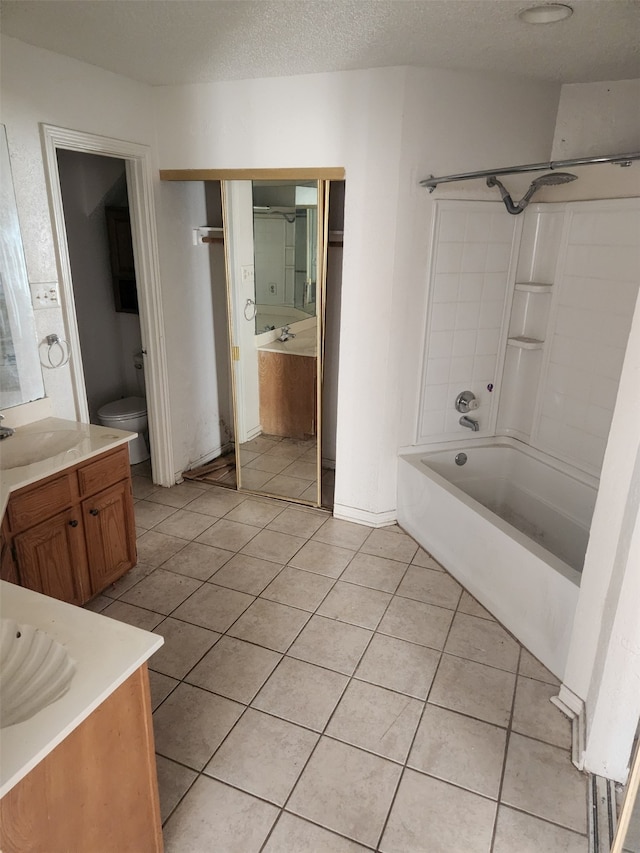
[523,342]
[533,287]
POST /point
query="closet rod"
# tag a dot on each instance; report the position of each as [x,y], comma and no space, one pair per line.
[620,159]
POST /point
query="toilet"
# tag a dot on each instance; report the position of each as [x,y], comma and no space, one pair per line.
[130,414]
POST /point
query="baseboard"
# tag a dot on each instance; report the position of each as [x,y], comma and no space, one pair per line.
[361,516]
[573,707]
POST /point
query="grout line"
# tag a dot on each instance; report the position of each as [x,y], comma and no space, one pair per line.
[404,765]
[317,826]
[522,811]
[506,754]
[331,715]
[413,739]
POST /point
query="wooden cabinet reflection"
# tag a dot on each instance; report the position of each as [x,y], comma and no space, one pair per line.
[287,394]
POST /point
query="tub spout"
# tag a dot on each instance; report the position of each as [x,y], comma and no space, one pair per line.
[470,423]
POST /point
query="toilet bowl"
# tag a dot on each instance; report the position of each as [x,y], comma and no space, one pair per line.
[130,414]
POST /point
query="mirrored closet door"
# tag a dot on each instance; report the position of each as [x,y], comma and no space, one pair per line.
[276,241]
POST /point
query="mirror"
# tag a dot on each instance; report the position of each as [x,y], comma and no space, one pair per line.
[20,372]
[275,238]
[285,226]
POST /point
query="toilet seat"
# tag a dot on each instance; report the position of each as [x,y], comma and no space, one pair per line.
[125,409]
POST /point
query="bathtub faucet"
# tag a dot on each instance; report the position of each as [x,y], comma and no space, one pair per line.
[470,423]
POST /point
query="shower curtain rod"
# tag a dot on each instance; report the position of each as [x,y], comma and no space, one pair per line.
[619,159]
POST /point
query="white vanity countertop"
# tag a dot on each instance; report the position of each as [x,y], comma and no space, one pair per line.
[106,653]
[304,343]
[82,440]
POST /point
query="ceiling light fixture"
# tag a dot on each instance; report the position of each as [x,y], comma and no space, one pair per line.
[547,13]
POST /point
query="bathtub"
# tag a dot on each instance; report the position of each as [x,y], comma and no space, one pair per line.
[511,525]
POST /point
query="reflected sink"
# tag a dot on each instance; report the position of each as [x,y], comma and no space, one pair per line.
[35,670]
[24,448]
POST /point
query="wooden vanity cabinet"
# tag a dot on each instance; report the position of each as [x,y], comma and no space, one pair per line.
[110,534]
[97,792]
[73,534]
[8,569]
[52,558]
[287,394]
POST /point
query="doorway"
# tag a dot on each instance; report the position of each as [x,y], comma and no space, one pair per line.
[137,163]
[94,191]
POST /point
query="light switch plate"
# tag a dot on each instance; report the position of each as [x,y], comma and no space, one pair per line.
[44,294]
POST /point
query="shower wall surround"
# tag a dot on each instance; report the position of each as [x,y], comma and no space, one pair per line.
[469,296]
[592,305]
[549,332]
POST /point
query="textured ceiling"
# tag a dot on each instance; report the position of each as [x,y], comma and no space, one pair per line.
[195,41]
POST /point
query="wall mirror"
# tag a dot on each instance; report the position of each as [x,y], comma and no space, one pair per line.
[20,371]
[275,239]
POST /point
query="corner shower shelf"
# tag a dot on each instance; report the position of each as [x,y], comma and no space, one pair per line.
[523,342]
[533,287]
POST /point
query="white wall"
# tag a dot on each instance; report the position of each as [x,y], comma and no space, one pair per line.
[39,86]
[454,122]
[388,128]
[602,667]
[357,123]
[597,119]
[194,303]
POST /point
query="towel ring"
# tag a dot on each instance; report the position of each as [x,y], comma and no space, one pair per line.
[63,355]
[250,306]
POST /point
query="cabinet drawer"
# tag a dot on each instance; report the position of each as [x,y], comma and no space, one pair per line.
[37,503]
[104,472]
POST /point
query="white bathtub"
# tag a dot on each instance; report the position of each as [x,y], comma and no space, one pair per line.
[512,526]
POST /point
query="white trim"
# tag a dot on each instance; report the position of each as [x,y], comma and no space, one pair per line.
[574,708]
[67,302]
[361,516]
[145,246]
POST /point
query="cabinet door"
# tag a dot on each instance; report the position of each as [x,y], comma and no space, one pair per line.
[52,559]
[8,569]
[111,535]
[287,394]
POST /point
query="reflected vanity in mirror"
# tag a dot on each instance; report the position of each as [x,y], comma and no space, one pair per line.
[276,268]
[20,372]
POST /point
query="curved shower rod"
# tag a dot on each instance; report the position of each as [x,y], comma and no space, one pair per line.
[619,159]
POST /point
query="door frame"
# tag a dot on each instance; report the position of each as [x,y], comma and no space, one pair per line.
[139,175]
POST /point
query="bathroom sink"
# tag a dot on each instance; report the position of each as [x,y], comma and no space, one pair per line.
[35,670]
[28,447]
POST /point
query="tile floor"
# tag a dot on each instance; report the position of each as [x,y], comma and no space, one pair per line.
[328,687]
[283,466]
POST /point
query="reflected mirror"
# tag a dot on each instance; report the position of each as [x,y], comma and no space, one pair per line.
[20,372]
[285,231]
[275,238]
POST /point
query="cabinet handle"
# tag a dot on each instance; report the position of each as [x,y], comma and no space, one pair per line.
[73,523]
[94,511]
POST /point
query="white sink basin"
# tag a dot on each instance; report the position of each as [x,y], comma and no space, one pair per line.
[26,448]
[35,670]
